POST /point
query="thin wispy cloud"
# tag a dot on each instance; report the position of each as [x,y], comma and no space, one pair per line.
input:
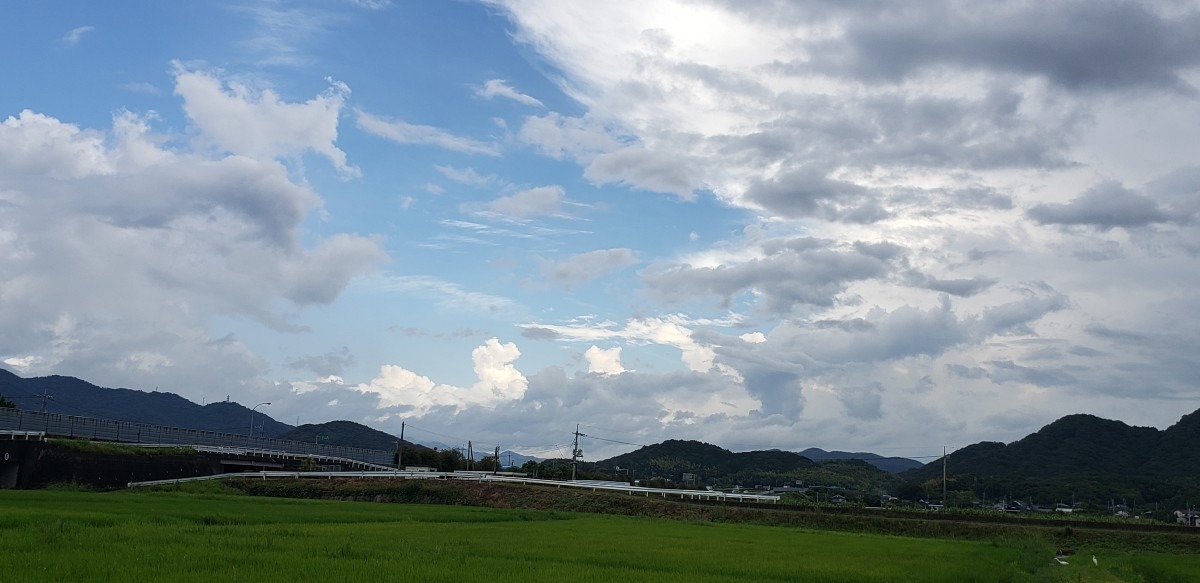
[403,132]
[76,34]
[448,295]
[499,88]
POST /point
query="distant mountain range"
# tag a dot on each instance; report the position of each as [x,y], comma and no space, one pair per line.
[894,465]
[712,465]
[346,434]
[1080,456]
[72,396]
[75,397]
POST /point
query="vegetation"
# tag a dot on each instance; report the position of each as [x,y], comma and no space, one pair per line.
[1108,535]
[1077,460]
[76,397]
[106,448]
[178,536]
[346,434]
[894,465]
[663,465]
[6,404]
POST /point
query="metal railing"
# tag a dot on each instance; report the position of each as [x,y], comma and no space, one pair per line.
[709,495]
[73,426]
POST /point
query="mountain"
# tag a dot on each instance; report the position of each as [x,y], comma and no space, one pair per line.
[893,465]
[347,434]
[1080,457]
[1075,444]
[721,467]
[76,397]
[508,458]
[512,459]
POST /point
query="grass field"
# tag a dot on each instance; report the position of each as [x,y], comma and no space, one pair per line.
[168,536]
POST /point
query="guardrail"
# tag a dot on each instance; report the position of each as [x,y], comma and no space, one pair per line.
[710,495]
[59,425]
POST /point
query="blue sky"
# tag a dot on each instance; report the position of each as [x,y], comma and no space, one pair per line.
[760,225]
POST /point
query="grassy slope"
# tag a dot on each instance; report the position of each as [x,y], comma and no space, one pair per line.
[72,536]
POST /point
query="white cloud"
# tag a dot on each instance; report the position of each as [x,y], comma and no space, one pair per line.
[604,361]
[498,382]
[526,204]
[372,4]
[579,138]
[450,296]
[21,363]
[665,331]
[76,34]
[499,88]
[142,87]
[403,132]
[119,254]
[240,120]
[468,176]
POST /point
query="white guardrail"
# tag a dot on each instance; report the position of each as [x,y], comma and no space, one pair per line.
[711,495]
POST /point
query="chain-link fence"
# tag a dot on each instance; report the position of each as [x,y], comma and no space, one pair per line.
[59,425]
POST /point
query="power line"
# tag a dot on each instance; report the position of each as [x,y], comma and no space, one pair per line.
[612,440]
[455,438]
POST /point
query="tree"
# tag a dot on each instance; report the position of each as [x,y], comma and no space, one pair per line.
[449,460]
[6,404]
[488,462]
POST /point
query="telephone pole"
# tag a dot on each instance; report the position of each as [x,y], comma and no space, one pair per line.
[470,456]
[943,477]
[400,452]
[44,396]
[497,460]
[575,452]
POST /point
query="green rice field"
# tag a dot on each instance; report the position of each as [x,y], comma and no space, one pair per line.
[170,536]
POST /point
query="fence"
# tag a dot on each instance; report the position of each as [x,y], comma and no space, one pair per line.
[59,425]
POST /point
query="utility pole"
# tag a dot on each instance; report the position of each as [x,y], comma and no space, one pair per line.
[943,477]
[44,396]
[400,453]
[575,452]
[497,459]
[470,455]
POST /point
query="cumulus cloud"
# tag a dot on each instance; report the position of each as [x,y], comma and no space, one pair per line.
[777,118]
[117,253]
[604,361]
[498,381]
[666,331]
[259,124]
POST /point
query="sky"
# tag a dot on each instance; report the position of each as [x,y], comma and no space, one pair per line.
[870,226]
